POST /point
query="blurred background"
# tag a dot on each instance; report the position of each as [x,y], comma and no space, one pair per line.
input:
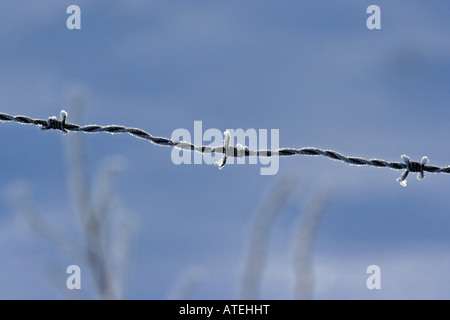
[141,227]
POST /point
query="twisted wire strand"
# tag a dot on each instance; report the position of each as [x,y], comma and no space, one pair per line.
[231,151]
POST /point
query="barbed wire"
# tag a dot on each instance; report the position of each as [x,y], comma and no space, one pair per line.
[232,151]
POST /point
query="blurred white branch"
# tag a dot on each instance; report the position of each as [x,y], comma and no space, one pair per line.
[308,228]
[105,255]
[260,235]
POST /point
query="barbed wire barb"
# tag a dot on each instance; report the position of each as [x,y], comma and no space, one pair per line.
[228,150]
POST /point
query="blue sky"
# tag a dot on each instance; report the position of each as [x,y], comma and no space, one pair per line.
[310,69]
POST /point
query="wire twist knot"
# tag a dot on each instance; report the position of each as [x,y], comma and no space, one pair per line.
[412,166]
[227,150]
[54,123]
